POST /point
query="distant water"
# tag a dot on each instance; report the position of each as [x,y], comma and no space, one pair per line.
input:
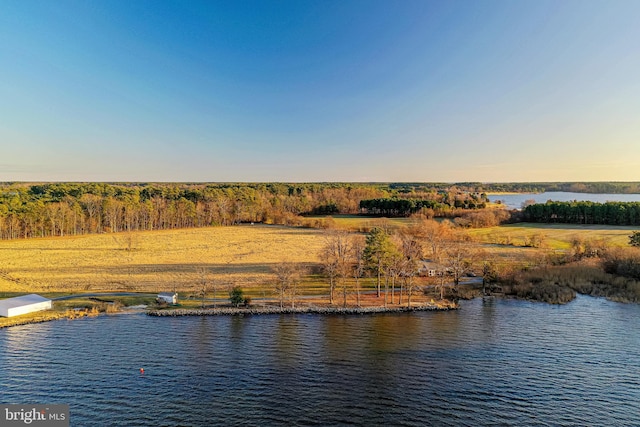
[515,201]
[492,363]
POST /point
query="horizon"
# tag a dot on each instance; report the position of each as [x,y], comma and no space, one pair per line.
[115,182]
[309,92]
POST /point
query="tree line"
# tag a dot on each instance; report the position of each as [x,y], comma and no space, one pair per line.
[574,187]
[440,203]
[59,209]
[609,213]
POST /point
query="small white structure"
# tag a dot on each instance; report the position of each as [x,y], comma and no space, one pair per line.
[168,297]
[22,305]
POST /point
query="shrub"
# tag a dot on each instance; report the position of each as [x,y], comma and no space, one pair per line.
[236,296]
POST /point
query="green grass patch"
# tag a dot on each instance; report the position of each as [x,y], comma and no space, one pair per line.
[553,236]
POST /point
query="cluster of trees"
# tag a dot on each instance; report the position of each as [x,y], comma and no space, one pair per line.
[71,209]
[395,259]
[482,218]
[398,207]
[440,204]
[611,213]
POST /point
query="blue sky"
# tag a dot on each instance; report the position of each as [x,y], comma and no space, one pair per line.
[319,90]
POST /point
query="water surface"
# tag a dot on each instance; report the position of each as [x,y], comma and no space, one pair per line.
[494,362]
[515,201]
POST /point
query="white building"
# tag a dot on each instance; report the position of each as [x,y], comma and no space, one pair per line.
[22,305]
[169,297]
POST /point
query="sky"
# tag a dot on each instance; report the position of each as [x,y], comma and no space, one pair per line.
[316,91]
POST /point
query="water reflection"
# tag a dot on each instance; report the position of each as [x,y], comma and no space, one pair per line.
[488,329]
[494,362]
[288,341]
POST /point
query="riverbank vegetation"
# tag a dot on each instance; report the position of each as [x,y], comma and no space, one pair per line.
[611,277]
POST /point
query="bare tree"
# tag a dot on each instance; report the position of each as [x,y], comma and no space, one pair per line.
[203,283]
[458,257]
[489,276]
[127,240]
[287,275]
[411,255]
[394,269]
[92,205]
[434,234]
[336,259]
[439,281]
[358,264]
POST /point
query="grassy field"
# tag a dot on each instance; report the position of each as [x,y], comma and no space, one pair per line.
[555,236]
[361,223]
[225,256]
[154,261]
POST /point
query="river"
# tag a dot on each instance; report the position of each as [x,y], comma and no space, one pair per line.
[493,362]
[515,200]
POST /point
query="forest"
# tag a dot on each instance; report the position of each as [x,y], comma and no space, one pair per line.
[610,213]
[60,209]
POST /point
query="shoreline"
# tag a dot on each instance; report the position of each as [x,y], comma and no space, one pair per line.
[257,311]
[42,317]
[231,311]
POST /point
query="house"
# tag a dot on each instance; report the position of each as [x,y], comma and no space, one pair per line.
[22,305]
[168,297]
[430,269]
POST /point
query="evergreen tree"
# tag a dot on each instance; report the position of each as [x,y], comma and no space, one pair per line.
[378,253]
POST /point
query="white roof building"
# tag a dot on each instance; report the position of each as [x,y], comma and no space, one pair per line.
[22,305]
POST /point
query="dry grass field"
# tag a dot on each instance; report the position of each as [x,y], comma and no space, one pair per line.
[361,223]
[225,256]
[154,261]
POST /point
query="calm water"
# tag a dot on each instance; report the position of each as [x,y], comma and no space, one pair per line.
[492,363]
[515,201]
